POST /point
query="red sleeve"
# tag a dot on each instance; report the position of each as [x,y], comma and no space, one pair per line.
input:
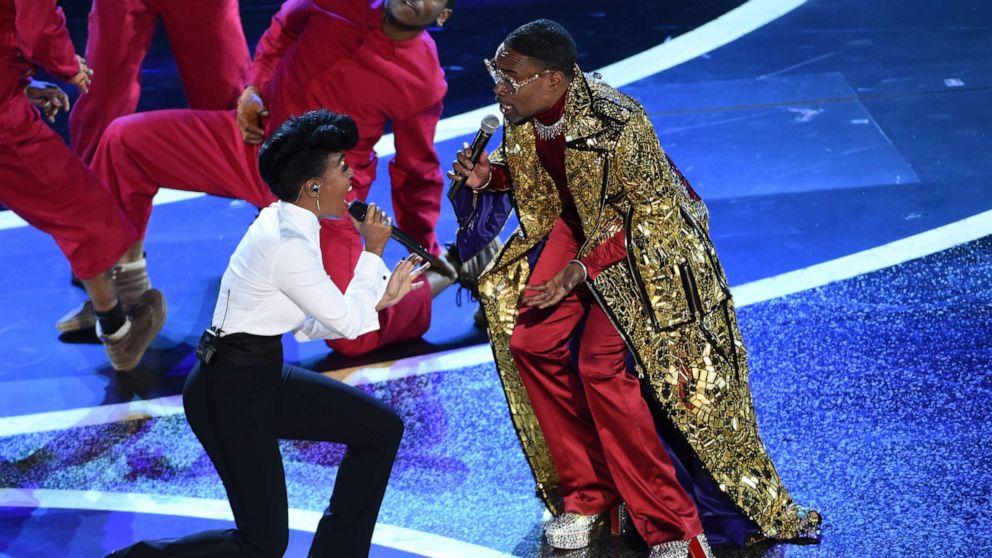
[605,255]
[43,38]
[285,28]
[499,181]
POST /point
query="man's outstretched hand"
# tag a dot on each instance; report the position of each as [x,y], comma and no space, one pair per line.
[557,288]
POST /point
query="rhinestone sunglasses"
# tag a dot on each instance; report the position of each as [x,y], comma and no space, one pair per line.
[511,85]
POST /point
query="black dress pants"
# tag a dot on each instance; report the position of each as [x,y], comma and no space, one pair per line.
[239,413]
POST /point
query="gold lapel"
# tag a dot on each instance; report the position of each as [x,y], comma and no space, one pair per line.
[586,154]
[537,200]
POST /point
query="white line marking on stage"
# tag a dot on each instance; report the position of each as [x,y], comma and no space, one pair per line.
[723,30]
[886,255]
[389,536]
[9,220]
[710,36]
[873,259]
[173,404]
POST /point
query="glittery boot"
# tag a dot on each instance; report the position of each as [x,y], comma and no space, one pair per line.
[693,548]
[569,530]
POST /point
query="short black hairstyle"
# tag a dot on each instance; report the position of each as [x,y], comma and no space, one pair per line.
[298,150]
[451,4]
[547,42]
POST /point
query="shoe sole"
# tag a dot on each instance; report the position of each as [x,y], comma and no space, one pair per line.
[81,321]
[76,326]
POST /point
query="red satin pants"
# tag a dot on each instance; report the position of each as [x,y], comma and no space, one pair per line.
[597,425]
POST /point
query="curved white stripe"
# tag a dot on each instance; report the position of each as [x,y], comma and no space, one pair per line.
[390,536]
[9,220]
[725,29]
[867,261]
[715,34]
[873,259]
[172,405]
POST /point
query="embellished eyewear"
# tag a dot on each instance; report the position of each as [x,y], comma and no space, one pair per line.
[512,86]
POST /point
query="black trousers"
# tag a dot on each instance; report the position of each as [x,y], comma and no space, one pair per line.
[239,413]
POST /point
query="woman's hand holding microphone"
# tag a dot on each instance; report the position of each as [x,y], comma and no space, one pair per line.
[375,231]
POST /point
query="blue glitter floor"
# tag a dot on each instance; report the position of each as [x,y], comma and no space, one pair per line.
[838,127]
[872,395]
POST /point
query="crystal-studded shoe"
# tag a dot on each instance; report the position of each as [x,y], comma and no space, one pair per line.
[570,531]
[810,523]
[693,548]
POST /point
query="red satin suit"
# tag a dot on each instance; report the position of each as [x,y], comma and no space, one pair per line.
[598,427]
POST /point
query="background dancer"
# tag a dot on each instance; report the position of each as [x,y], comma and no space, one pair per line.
[208,43]
[50,188]
[374,62]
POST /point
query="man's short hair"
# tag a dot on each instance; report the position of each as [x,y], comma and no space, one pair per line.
[547,42]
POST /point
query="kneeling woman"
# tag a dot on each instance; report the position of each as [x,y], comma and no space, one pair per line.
[240,399]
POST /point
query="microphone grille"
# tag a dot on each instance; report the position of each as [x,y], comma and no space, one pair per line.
[489,124]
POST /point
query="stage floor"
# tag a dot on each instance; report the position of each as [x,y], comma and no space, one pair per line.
[842,149]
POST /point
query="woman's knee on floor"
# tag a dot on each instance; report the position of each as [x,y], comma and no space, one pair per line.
[392,430]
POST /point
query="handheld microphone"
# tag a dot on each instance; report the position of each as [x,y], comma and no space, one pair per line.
[489,125]
[358,209]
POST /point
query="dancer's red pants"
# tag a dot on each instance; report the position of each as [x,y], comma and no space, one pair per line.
[208,43]
[598,427]
[50,188]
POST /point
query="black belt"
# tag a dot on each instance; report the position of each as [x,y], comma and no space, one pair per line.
[240,349]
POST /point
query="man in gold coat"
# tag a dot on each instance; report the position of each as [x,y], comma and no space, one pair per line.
[612,259]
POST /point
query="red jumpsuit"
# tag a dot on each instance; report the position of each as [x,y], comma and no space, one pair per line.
[598,427]
[207,41]
[40,179]
[315,54]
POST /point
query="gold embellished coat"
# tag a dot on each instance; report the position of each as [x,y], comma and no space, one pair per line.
[669,297]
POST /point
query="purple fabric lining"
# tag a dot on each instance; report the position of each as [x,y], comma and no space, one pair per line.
[479,220]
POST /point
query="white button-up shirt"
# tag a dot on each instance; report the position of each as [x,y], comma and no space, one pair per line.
[276,283]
